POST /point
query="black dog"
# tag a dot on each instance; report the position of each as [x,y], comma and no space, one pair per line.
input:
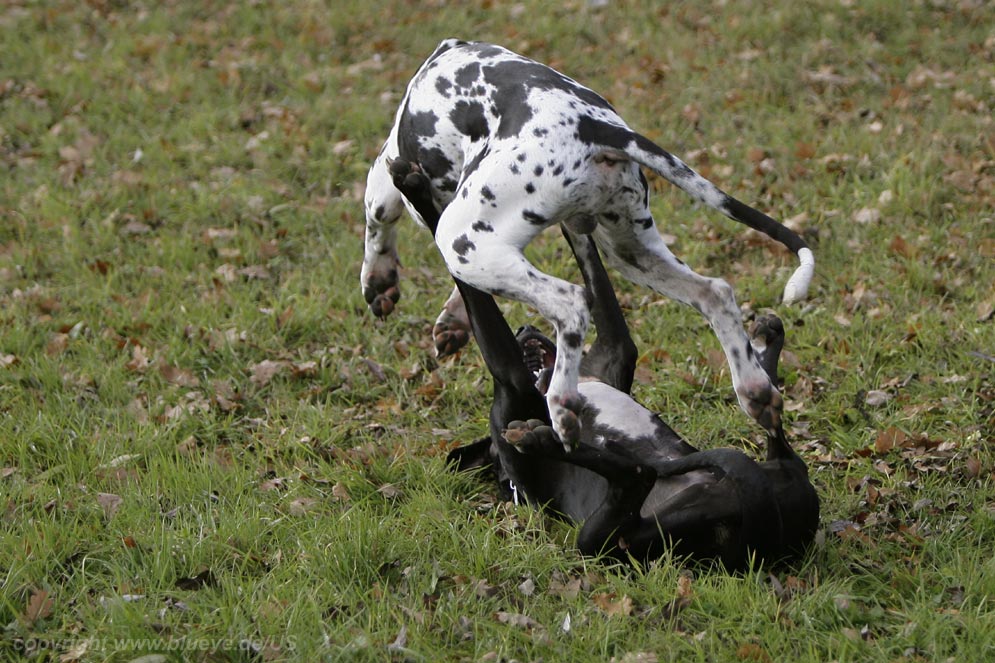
[633,482]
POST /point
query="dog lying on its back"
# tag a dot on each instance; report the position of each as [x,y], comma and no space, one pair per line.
[636,486]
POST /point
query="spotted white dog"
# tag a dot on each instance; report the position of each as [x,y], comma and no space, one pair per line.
[512,147]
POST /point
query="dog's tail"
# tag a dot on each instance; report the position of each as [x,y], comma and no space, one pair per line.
[623,142]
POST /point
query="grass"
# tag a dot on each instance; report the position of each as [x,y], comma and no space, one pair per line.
[211,451]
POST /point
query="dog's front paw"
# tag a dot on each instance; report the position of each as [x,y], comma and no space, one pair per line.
[532,436]
[381,297]
[564,412]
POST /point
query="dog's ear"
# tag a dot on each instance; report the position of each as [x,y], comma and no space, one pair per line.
[471,456]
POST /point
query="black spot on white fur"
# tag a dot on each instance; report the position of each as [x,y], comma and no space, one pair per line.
[462,245]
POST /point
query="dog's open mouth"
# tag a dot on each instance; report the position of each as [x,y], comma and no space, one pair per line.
[538,352]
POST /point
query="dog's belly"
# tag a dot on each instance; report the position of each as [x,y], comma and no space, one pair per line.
[610,414]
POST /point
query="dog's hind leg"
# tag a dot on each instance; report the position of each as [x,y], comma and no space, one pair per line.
[636,249]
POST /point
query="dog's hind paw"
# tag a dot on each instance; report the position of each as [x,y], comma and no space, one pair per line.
[449,338]
[532,436]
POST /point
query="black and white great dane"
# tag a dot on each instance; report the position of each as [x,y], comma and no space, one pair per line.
[636,486]
[512,147]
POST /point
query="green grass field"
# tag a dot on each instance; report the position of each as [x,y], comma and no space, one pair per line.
[210,450]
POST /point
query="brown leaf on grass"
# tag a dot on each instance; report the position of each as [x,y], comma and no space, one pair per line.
[255,272]
[276,483]
[181,377]
[985,311]
[972,467]
[301,506]
[57,344]
[39,607]
[285,316]
[340,492]
[265,371]
[484,589]
[77,652]
[610,604]
[750,651]
[390,491]
[304,369]
[877,398]
[890,438]
[375,369]
[139,359]
[804,150]
[567,589]
[110,503]
[517,619]
[900,247]
[8,360]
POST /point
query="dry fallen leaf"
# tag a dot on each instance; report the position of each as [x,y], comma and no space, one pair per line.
[39,606]
[751,651]
[890,438]
[301,506]
[516,619]
[139,359]
[567,589]
[181,377]
[110,503]
[265,371]
[611,605]
[340,493]
[877,398]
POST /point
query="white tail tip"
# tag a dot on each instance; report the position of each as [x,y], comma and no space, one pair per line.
[797,286]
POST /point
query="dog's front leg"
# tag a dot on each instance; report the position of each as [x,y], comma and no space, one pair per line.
[379,276]
[486,253]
